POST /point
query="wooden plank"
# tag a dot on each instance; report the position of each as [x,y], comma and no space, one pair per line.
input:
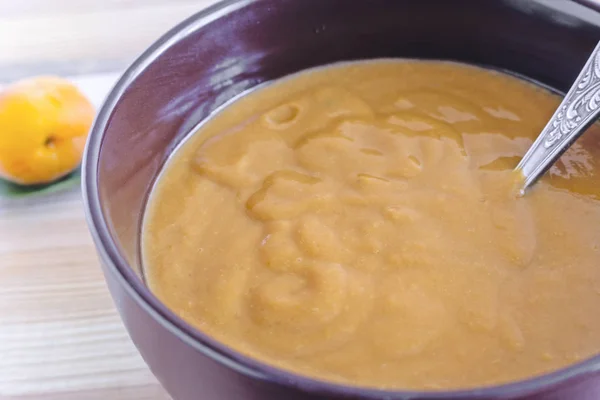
[146,392]
[60,334]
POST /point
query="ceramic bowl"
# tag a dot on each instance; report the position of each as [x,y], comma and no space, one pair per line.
[238,44]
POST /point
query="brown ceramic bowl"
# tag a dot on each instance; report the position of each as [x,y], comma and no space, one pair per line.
[238,44]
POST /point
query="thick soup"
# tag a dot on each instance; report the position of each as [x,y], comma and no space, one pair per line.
[359,223]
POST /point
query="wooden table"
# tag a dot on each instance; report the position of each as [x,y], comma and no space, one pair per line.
[60,336]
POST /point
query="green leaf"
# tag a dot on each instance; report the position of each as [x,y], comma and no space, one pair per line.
[13,190]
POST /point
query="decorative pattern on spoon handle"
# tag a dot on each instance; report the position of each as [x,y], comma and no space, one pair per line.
[578,110]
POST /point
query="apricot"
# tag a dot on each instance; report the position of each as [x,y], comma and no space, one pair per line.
[44,123]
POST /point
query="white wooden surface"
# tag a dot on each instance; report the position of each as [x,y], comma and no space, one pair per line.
[60,336]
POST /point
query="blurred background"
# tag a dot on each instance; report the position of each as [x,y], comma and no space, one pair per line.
[71,37]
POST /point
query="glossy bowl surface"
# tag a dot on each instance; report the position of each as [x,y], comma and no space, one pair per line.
[238,44]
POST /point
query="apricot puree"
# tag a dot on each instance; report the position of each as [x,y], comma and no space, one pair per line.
[358,223]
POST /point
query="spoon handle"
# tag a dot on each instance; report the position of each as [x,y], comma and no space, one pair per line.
[578,110]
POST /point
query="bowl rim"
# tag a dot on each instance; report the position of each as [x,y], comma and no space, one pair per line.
[116,262]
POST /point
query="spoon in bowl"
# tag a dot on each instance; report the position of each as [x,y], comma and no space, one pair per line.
[579,109]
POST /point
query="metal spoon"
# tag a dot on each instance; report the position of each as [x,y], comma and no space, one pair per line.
[579,109]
